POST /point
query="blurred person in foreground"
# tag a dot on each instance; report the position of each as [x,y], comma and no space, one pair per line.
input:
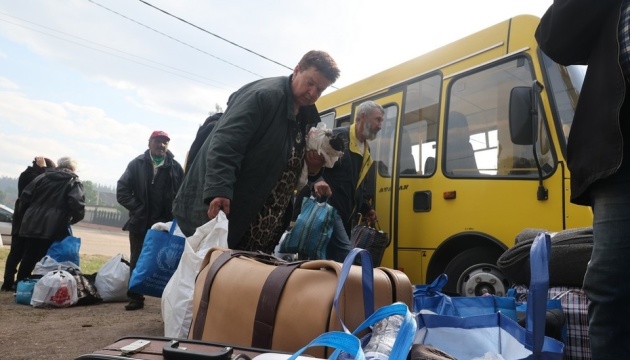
[250,164]
[147,189]
[344,184]
[597,34]
[48,206]
[40,164]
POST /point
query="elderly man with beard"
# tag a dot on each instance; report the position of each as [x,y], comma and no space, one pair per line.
[345,183]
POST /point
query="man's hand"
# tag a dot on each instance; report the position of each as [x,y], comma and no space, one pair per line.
[217,204]
[371,217]
[322,189]
[314,161]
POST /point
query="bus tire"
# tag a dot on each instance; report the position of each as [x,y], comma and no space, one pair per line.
[477,263]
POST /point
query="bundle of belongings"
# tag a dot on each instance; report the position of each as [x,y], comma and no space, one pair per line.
[570,253]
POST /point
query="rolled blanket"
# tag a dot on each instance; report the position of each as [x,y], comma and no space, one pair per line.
[570,253]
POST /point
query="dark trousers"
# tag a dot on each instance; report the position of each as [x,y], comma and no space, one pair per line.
[13,260]
[136,240]
[34,251]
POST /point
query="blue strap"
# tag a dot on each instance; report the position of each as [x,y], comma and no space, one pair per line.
[339,340]
[367,276]
[406,333]
[434,288]
[538,287]
[173,227]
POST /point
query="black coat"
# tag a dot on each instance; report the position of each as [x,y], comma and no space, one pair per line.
[50,204]
[149,199]
[25,178]
[576,32]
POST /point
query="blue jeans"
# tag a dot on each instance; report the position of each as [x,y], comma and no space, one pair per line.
[607,279]
[339,245]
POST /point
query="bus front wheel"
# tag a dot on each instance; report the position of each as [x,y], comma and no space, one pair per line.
[474,273]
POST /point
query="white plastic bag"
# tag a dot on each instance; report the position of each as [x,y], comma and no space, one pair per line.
[177,298]
[318,138]
[112,279]
[48,264]
[56,289]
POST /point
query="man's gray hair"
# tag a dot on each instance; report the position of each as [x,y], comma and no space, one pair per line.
[367,108]
[67,162]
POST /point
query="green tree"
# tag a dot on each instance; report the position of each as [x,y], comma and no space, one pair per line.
[3,196]
[91,195]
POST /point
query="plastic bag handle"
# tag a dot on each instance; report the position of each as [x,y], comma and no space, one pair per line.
[339,340]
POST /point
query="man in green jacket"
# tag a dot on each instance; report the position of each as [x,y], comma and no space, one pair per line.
[250,164]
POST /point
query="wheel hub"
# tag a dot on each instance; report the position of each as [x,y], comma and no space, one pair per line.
[480,280]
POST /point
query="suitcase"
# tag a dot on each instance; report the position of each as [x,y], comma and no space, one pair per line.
[249,300]
[162,348]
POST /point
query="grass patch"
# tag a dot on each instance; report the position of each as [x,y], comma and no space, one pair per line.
[89,263]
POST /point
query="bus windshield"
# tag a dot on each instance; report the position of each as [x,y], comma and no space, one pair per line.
[565,84]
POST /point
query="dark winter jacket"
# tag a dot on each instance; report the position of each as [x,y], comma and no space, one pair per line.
[348,177]
[244,156]
[149,199]
[25,178]
[585,32]
[50,204]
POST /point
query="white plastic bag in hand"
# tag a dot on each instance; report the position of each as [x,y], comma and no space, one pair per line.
[318,138]
[177,298]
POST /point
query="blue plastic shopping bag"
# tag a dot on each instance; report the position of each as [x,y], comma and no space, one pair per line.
[67,249]
[158,261]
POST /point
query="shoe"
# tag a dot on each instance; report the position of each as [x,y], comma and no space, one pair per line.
[134,305]
[6,287]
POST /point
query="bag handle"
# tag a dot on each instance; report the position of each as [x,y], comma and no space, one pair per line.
[339,340]
[435,289]
[406,332]
[171,231]
[367,277]
[265,319]
[539,285]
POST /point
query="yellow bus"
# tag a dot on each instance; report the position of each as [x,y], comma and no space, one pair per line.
[471,152]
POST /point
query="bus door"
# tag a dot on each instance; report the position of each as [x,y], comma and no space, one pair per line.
[382,150]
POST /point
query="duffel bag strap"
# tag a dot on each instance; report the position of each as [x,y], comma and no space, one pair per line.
[202,312]
[268,305]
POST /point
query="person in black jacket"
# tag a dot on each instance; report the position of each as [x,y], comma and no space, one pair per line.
[40,164]
[345,182]
[147,189]
[48,206]
[597,34]
[250,164]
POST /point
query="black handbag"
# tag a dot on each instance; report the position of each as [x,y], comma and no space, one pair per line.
[374,240]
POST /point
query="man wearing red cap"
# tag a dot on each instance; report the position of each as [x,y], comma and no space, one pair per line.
[147,189]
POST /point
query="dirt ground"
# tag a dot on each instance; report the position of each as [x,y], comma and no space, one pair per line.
[64,334]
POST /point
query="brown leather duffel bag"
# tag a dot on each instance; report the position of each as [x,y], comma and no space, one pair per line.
[253,299]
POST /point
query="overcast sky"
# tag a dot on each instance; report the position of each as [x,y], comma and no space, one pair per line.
[92,79]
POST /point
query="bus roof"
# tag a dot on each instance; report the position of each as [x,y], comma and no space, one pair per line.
[511,35]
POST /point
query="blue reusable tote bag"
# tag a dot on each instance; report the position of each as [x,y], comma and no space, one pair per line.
[496,333]
[158,261]
[430,297]
[67,249]
[311,233]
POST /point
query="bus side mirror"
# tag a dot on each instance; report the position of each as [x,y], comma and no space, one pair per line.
[521,120]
